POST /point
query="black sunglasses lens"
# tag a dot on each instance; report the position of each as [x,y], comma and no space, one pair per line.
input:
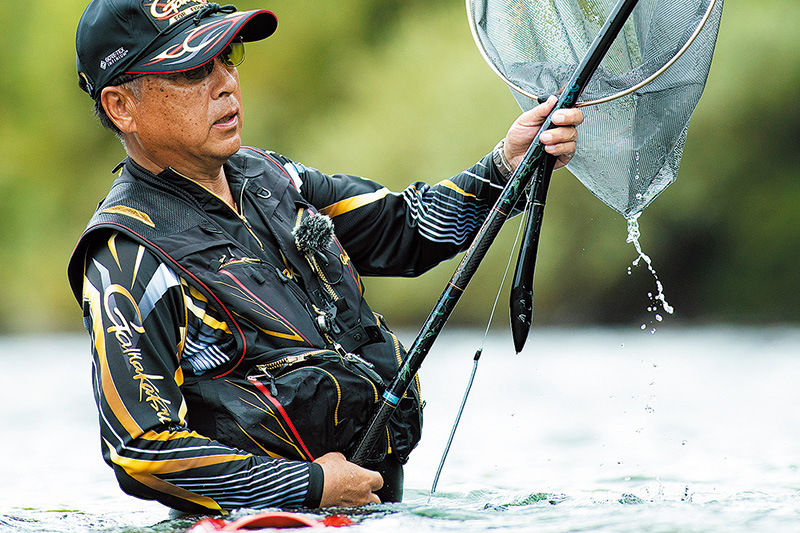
[233,54]
[199,73]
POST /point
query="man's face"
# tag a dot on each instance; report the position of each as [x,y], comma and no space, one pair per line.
[190,125]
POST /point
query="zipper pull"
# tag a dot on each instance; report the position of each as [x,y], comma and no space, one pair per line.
[339,349]
[366,367]
[294,359]
[265,374]
[282,275]
[216,264]
[358,359]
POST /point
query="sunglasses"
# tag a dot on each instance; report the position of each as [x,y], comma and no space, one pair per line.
[231,56]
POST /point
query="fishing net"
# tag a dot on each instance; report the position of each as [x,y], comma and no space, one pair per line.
[637,105]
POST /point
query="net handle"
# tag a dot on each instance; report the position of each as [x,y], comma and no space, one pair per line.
[474,29]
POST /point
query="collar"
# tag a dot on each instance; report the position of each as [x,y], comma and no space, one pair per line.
[241,170]
[173,180]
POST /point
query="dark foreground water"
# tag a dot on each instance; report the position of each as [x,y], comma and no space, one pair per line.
[587,430]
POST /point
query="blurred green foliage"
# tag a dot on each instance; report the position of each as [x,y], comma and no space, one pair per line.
[397,91]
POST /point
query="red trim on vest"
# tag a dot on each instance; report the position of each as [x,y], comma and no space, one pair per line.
[266,155]
[274,401]
[199,282]
[259,300]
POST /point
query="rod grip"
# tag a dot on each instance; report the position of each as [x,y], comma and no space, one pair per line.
[373,432]
[521,300]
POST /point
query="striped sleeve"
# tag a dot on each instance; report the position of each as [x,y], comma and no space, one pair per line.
[411,231]
[142,320]
[209,342]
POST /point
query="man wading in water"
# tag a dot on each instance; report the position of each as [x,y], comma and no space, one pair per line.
[236,362]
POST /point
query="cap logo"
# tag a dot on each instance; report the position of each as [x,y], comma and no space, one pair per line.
[174,10]
[113,57]
[198,41]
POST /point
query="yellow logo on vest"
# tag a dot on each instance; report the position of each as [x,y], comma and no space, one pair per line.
[130,212]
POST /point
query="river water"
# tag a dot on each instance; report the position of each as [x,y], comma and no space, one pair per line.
[623,430]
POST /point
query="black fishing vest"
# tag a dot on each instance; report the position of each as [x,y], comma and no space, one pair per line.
[308,345]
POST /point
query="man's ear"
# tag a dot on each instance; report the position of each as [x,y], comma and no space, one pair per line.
[120,104]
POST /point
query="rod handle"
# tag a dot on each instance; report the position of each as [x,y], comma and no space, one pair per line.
[521,303]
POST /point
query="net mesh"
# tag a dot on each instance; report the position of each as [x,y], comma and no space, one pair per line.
[630,148]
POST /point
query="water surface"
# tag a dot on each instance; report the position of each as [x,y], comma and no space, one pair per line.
[689,430]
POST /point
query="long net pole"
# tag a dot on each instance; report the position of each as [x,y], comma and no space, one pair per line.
[509,197]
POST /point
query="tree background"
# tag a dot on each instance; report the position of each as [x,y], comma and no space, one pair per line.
[397,91]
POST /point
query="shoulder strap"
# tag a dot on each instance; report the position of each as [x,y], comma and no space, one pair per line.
[138,210]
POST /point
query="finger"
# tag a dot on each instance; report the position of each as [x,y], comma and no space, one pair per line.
[546,107]
[373,498]
[562,117]
[567,148]
[537,115]
[558,136]
[565,152]
[377,482]
[568,117]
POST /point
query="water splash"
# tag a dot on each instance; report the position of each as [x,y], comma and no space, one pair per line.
[659,298]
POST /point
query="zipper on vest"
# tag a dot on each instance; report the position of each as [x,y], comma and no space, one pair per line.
[264,375]
[266,369]
[250,229]
[243,218]
[224,262]
[326,325]
[365,367]
[325,283]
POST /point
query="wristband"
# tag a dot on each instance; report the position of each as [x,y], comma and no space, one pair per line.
[500,161]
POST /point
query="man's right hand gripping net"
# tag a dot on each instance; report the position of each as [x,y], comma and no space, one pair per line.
[647,86]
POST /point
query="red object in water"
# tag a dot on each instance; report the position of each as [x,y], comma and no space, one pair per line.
[336,520]
[267,520]
[207,525]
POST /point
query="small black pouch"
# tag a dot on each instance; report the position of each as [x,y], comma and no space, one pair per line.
[300,403]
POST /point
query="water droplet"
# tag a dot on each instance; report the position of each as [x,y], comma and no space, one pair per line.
[659,299]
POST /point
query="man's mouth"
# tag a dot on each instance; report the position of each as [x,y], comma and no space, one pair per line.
[228,120]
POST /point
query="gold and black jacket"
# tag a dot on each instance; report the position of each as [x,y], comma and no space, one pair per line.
[301,358]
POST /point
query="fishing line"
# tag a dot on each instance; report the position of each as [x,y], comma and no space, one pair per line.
[637,142]
[477,357]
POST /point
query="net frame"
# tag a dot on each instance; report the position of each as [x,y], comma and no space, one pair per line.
[635,127]
[515,86]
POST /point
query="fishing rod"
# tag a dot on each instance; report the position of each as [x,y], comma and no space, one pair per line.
[512,192]
[521,296]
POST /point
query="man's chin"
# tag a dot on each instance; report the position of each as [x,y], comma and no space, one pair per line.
[230,148]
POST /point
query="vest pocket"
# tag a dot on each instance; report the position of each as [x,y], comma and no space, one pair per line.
[297,404]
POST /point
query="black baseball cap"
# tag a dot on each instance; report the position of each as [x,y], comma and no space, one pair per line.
[117,37]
